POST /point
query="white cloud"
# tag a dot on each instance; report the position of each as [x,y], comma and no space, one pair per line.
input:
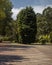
[37,9]
[15,12]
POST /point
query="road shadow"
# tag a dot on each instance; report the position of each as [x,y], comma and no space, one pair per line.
[11,58]
[6,49]
[18,46]
[14,47]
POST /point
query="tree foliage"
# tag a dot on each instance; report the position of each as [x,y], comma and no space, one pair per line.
[42,26]
[27,27]
[44,22]
[47,12]
[5,16]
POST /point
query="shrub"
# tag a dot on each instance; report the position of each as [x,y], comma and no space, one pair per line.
[1,39]
[5,38]
[44,39]
[51,37]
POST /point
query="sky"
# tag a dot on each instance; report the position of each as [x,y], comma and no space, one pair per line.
[38,5]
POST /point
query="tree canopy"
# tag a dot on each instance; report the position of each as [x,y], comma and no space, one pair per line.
[27,27]
[5,15]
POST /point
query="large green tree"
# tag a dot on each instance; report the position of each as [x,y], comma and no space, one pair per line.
[42,26]
[44,22]
[47,13]
[27,27]
[5,16]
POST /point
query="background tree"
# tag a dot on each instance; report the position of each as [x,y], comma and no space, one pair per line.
[27,27]
[42,26]
[47,13]
[5,16]
[14,35]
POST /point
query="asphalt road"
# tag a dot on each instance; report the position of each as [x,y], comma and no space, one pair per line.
[20,54]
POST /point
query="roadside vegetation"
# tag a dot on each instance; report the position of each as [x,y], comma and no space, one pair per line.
[28,28]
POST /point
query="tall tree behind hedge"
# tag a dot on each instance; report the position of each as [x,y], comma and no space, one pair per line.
[27,27]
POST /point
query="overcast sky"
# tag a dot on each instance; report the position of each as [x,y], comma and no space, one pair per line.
[38,5]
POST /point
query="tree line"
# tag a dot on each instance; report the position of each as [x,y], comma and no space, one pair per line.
[29,27]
